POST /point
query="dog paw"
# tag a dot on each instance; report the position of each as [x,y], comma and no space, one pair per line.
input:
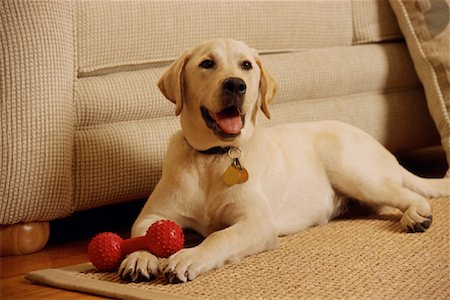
[139,266]
[417,219]
[185,265]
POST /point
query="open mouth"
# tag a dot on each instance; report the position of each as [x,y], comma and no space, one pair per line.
[227,123]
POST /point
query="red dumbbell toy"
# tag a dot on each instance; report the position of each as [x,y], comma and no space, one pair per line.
[163,238]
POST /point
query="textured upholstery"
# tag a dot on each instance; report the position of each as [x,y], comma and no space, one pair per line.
[36,110]
[126,96]
[84,125]
[373,21]
[139,32]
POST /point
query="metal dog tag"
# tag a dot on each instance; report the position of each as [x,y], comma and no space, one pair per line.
[232,176]
[235,173]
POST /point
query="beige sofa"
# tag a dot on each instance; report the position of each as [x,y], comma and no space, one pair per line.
[83,124]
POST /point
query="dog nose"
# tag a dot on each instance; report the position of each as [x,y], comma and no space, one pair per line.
[234,86]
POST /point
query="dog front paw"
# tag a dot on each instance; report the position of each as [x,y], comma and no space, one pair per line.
[416,219]
[185,265]
[139,266]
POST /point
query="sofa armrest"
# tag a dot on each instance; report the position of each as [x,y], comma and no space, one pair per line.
[37,69]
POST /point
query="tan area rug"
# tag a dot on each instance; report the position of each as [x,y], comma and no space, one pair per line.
[365,258]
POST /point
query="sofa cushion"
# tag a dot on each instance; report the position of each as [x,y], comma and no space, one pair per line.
[340,71]
[395,118]
[120,34]
[119,162]
[374,21]
[122,96]
[310,74]
[426,26]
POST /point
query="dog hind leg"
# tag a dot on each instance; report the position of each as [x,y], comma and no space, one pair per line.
[417,213]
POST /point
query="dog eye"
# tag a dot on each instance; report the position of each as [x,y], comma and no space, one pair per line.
[207,64]
[246,65]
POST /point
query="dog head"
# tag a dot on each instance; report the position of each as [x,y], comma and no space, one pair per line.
[218,88]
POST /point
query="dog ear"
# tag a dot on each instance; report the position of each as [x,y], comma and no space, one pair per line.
[267,85]
[171,82]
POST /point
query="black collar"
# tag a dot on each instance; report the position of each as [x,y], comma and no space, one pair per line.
[215,150]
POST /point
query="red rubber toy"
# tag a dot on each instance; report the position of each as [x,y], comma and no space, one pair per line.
[163,238]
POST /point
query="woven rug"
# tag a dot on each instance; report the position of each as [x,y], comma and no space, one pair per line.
[364,258]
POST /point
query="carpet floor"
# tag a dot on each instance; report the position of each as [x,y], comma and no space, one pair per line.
[368,257]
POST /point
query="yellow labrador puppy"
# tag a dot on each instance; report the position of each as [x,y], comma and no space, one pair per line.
[241,186]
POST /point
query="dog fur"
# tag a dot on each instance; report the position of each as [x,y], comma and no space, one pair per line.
[299,175]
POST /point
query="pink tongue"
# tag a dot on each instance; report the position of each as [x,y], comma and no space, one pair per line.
[229,122]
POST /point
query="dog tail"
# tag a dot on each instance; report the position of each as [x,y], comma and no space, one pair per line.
[427,187]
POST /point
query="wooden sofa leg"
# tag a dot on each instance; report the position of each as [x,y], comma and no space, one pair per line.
[24,238]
